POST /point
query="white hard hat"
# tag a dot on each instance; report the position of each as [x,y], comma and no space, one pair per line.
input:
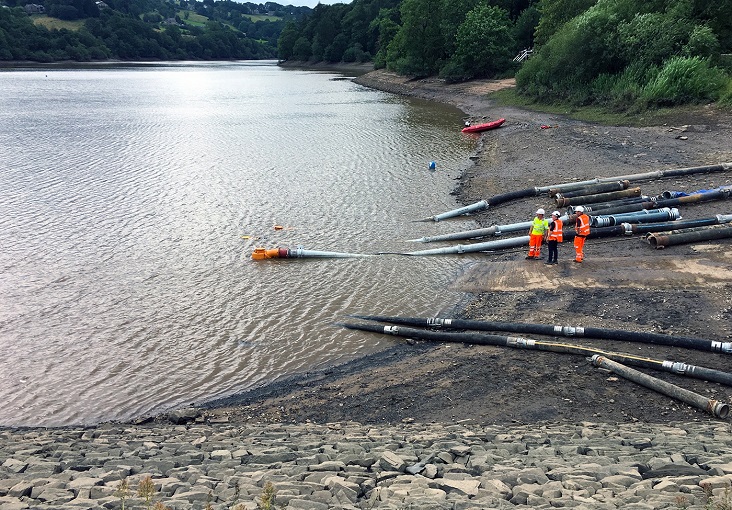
[579,208]
[556,213]
[540,211]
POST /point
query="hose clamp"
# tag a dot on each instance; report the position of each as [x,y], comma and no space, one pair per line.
[676,367]
[521,342]
[722,346]
[438,322]
[391,330]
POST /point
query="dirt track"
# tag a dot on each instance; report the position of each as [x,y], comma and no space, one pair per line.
[624,284]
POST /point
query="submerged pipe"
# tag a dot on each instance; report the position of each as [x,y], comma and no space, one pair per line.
[568,331]
[678,368]
[600,197]
[478,206]
[500,244]
[499,199]
[714,407]
[644,216]
[673,238]
[260,253]
[591,190]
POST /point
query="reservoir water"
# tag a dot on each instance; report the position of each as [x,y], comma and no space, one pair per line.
[132,197]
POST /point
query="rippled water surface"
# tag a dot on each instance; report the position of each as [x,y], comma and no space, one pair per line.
[132,198]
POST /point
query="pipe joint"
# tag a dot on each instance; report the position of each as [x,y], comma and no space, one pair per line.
[718,409]
[628,229]
[725,347]
[391,330]
[571,331]
[437,322]
[520,342]
[676,367]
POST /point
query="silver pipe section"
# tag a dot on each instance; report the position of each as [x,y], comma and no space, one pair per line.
[714,407]
[512,242]
[300,253]
[495,230]
[484,204]
[478,206]
[644,216]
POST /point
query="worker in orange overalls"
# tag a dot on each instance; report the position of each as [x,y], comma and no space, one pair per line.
[582,230]
[537,231]
[554,237]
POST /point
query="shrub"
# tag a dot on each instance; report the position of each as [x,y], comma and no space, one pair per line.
[685,80]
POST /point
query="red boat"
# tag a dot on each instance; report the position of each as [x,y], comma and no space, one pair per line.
[484,127]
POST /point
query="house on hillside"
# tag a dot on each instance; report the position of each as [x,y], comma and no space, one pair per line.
[34,9]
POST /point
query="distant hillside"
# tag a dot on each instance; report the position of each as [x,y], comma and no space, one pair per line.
[92,30]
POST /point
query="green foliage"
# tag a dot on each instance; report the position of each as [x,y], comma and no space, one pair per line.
[685,80]
[418,47]
[628,55]
[555,13]
[483,45]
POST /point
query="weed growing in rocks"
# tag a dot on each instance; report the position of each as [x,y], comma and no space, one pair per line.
[146,490]
[123,491]
[268,497]
[723,503]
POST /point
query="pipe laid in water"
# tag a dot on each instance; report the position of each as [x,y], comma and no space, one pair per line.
[551,330]
[527,343]
[495,230]
[299,253]
[715,407]
[674,238]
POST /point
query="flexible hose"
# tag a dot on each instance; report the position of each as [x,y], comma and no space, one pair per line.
[677,368]
[568,331]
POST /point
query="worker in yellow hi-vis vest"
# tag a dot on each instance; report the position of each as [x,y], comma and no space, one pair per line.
[537,231]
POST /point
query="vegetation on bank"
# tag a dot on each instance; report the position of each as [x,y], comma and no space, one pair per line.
[625,55]
[89,30]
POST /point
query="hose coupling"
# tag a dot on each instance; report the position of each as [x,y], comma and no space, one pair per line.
[520,342]
[722,347]
[391,330]
[437,322]
[572,331]
[628,229]
[718,409]
[676,367]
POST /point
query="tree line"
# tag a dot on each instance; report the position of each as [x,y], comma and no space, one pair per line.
[625,54]
[143,30]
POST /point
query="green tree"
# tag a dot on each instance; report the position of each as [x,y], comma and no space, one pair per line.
[418,48]
[483,45]
[555,13]
[286,41]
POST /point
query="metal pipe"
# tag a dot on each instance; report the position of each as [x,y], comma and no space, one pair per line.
[673,367]
[672,238]
[260,253]
[644,216]
[600,197]
[495,230]
[505,197]
[678,225]
[631,204]
[478,206]
[715,407]
[718,194]
[512,242]
[591,190]
[552,330]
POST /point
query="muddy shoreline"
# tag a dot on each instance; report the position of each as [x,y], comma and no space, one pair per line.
[624,284]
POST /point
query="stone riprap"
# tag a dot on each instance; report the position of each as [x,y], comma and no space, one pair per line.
[198,465]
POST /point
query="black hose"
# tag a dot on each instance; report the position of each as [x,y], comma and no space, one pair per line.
[569,331]
[707,374]
[591,189]
[512,195]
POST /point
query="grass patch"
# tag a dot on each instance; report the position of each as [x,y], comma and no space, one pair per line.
[678,115]
[57,24]
[262,17]
[193,19]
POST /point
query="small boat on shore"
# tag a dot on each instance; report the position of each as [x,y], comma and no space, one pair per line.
[484,127]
